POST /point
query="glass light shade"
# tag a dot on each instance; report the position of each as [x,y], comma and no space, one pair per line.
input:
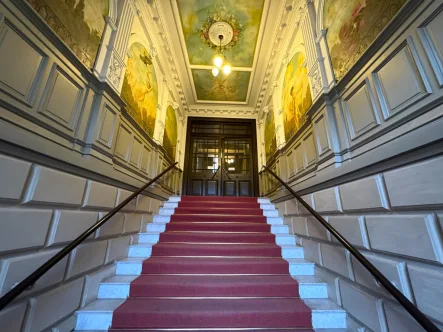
[218,61]
[227,69]
[215,71]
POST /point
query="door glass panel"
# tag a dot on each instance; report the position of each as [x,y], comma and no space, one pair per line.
[237,156]
[205,155]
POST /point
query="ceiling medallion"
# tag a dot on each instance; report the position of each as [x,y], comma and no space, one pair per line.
[221,22]
[223,29]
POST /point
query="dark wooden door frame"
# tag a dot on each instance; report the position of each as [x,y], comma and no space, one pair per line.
[187,158]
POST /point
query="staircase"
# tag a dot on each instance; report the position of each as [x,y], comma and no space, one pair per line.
[214,263]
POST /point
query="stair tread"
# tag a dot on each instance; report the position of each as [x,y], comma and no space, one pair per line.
[120,279]
[308,280]
[322,305]
[102,305]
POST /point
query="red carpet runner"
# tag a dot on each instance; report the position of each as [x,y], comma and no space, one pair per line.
[215,266]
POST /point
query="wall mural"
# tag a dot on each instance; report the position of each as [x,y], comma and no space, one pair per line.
[352,27]
[243,15]
[270,138]
[78,23]
[140,89]
[296,95]
[221,88]
[170,136]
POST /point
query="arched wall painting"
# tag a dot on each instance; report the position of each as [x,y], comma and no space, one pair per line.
[140,90]
[270,140]
[78,23]
[170,136]
[296,95]
[352,26]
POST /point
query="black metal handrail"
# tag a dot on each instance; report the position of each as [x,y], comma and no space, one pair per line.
[420,317]
[37,274]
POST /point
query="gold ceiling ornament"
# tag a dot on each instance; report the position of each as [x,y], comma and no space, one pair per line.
[220,60]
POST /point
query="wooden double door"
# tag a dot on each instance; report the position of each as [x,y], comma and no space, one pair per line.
[220,158]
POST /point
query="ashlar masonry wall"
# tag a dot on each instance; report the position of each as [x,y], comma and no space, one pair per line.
[395,219]
[41,210]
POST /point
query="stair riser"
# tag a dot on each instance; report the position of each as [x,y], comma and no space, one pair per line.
[328,319]
[160,267]
[88,321]
[121,291]
[222,199]
[146,252]
[174,205]
[217,238]
[219,211]
[161,227]
[212,250]
[268,220]
[138,251]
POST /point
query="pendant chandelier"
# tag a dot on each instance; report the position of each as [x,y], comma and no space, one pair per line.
[220,61]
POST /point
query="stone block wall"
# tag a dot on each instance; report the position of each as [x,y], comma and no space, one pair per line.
[41,211]
[395,219]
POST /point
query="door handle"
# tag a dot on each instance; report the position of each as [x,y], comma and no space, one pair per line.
[215,173]
[225,173]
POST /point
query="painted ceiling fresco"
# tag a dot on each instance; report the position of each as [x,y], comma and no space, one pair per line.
[244,16]
[79,23]
[352,27]
[233,87]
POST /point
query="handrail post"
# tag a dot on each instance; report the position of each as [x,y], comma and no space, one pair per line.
[38,273]
[420,317]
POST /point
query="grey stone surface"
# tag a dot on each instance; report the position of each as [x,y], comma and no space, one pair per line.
[118,248]
[311,251]
[301,209]
[281,207]
[155,205]
[15,268]
[67,325]
[326,201]
[143,203]
[11,318]
[13,175]
[132,223]
[71,224]
[405,234]
[427,285]
[417,184]
[362,194]
[122,194]
[392,269]
[398,319]
[87,257]
[331,280]
[22,228]
[291,206]
[316,229]
[361,305]
[334,258]
[299,225]
[349,227]
[113,226]
[50,186]
[100,195]
[92,283]
[54,305]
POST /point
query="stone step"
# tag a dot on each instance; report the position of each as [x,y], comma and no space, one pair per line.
[98,314]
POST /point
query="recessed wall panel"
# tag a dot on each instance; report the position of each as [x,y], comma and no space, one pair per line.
[19,65]
[360,112]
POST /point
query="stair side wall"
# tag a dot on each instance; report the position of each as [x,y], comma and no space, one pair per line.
[41,211]
[395,219]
